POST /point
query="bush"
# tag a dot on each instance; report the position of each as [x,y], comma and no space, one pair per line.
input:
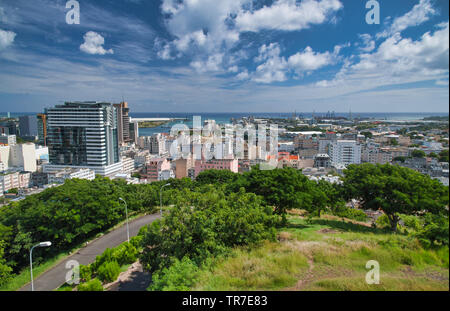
[93,285]
[411,223]
[124,254]
[350,213]
[108,271]
[383,222]
[86,273]
[206,224]
[435,231]
[180,276]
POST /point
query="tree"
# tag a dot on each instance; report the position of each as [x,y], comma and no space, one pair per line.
[400,159]
[180,276]
[5,270]
[367,134]
[443,156]
[394,190]
[213,177]
[204,224]
[418,154]
[14,191]
[393,142]
[283,189]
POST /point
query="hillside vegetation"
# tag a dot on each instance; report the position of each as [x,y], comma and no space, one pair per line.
[329,254]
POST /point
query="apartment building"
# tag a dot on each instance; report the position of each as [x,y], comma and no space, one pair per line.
[127,165]
[84,135]
[14,180]
[345,152]
[223,164]
[61,176]
[154,167]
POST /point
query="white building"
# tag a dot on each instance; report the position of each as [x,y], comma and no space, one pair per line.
[41,153]
[23,155]
[61,176]
[128,165]
[166,175]
[19,156]
[15,180]
[345,152]
[158,144]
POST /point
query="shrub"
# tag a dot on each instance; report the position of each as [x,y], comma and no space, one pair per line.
[108,271]
[206,224]
[411,223]
[124,254]
[86,273]
[93,285]
[435,231]
[180,276]
[382,222]
[350,213]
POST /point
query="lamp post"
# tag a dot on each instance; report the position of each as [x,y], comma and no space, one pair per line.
[126,213]
[160,196]
[42,244]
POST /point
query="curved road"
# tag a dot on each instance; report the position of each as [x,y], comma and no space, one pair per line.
[56,276]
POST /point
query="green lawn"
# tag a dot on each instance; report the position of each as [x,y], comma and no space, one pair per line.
[329,254]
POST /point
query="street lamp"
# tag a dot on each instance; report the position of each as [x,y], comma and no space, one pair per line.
[160,196]
[42,244]
[126,213]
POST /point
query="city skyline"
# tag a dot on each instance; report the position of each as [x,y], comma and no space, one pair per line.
[239,56]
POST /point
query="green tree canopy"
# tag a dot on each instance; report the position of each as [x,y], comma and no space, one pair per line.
[394,190]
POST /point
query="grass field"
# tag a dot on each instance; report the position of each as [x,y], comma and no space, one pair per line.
[329,254]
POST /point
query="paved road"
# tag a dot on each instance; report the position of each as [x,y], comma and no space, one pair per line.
[56,276]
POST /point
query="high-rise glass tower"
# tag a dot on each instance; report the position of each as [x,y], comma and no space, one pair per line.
[84,134]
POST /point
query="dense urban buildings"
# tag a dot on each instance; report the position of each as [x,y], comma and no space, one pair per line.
[82,139]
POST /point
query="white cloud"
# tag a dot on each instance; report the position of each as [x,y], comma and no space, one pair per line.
[213,63]
[368,43]
[93,44]
[274,68]
[6,38]
[205,28]
[288,15]
[398,61]
[308,60]
[419,14]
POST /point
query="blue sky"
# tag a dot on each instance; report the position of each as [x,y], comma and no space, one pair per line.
[227,55]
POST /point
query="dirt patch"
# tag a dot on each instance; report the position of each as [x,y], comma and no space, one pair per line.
[284,236]
[429,274]
[328,231]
